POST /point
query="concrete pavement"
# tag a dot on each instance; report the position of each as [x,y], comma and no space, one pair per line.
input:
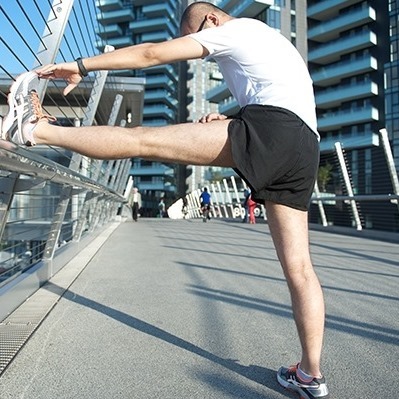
[185,309]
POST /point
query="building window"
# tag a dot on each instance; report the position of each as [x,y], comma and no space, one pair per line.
[293,23]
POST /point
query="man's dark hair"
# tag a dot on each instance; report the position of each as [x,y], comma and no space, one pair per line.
[199,7]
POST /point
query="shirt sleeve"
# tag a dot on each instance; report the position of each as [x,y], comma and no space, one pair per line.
[219,41]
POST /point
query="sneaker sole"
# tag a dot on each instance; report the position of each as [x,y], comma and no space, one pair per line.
[291,387]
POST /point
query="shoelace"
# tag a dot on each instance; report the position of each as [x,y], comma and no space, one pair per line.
[37,108]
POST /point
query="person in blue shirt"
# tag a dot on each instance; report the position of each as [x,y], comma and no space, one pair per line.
[205,198]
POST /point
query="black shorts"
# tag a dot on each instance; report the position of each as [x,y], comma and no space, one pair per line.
[276,153]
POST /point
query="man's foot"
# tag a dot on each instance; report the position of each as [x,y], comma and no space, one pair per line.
[25,110]
[314,388]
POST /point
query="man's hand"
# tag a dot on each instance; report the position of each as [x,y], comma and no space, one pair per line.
[68,71]
[214,116]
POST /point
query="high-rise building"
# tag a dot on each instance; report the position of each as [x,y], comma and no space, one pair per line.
[353,64]
[127,22]
[392,80]
[348,48]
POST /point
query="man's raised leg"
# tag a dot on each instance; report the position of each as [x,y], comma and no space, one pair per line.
[187,143]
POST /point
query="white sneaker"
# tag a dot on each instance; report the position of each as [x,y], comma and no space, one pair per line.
[25,110]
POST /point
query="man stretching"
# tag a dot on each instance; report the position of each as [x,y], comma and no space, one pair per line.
[272,143]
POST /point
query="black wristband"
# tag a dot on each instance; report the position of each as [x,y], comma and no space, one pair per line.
[81,67]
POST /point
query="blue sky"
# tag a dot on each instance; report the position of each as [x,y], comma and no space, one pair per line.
[19,37]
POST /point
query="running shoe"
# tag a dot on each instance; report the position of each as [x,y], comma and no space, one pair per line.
[25,110]
[315,388]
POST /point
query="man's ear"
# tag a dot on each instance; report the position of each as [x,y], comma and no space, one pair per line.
[213,19]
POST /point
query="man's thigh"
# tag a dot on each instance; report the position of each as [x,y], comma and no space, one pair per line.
[188,143]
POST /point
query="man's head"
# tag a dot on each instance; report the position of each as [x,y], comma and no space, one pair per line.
[202,15]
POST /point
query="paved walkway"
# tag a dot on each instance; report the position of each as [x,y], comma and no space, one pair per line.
[184,309]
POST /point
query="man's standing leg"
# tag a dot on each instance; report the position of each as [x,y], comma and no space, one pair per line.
[289,229]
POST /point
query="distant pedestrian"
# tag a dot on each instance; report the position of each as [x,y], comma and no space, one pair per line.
[135,203]
[247,193]
[205,199]
[184,208]
[251,209]
[161,208]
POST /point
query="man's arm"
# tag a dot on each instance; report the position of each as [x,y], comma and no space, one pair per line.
[147,54]
[132,57]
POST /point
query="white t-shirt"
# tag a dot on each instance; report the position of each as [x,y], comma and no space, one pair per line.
[260,66]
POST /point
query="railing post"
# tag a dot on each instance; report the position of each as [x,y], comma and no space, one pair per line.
[52,37]
[320,205]
[219,212]
[348,184]
[229,200]
[233,182]
[222,199]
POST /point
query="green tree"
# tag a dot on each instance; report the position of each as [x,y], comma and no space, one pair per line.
[324,176]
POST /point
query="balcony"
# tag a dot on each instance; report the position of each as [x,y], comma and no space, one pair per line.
[108,5]
[331,52]
[335,97]
[218,93]
[145,25]
[116,42]
[168,70]
[333,121]
[324,10]
[114,17]
[109,31]
[245,8]
[364,140]
[160,96]
[160,111]
[332,74]
[229,107]
[158,82]
[156,36]
[158,10]
[156,169]
[331,29]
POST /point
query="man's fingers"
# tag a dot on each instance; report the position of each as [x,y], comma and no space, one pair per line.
[212,117]
[46,71]
[69,88]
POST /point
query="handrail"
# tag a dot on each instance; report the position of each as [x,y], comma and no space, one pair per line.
[17,159]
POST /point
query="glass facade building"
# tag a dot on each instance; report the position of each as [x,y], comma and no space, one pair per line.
[348,48]
[353,63]
[392,80]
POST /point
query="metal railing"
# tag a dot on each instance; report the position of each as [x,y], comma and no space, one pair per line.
[53,201]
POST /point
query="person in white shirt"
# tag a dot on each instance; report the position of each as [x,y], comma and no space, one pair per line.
[135,203]
[272,142]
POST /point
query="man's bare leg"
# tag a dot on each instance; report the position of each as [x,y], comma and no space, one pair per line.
[289,229]
[188,143]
